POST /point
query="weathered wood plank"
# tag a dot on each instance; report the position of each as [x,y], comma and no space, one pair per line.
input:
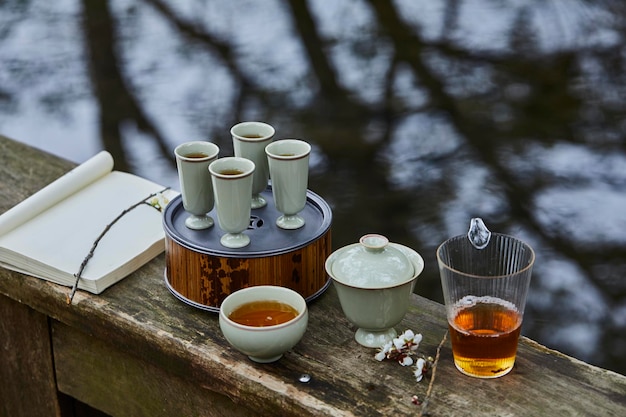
[24,171]
[118,383]
[28,387]
[139,317]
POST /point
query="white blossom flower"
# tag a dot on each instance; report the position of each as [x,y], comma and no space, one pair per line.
[408,335]
[419,369]
[416,341]
[399,343]
[406,361]
[402,349]
[159,201]
[410,340]
[382,354]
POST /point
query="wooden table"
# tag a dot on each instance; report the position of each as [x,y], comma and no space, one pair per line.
[136,350]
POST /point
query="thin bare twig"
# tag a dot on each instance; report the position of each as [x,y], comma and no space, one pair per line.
[432,376]
[70,297]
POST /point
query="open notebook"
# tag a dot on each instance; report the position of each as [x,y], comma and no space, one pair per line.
[49,234]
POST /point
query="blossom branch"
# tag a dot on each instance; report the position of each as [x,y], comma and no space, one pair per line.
[432,376]
[155,204]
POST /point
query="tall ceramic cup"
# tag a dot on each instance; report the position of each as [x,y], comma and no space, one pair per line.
[232,186]
[192,161]
[485,294]
[289,169]
[249,141]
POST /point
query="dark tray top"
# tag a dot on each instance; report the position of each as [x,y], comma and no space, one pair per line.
[266,239]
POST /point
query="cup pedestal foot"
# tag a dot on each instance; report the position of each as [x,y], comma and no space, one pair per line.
[235,240]
[258,201]
[195,222]
[290,222]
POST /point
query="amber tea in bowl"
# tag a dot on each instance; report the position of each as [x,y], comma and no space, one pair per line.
[263,313]
[264,321]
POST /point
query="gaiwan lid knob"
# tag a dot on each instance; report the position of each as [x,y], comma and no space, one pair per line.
[371,263]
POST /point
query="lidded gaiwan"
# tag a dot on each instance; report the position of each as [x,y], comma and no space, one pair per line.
[371,263]
[374,280]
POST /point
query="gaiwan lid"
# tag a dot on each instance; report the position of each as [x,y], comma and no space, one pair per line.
[371,263]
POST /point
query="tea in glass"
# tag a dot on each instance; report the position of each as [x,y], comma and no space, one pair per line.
[484,336]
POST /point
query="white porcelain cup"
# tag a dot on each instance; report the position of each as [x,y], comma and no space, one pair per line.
[267,343]
[249,141]
[192,161]
[289,169]
[232,188]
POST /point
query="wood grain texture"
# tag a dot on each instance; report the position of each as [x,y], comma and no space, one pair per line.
[122,384]
[28,386]
[209,279]
[138,318]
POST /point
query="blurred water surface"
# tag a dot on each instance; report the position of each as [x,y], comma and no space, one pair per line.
[421,114]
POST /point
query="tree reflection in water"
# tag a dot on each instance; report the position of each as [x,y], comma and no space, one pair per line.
[422,115]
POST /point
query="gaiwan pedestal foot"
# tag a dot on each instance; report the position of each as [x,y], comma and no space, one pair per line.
[374,338]
[270,359]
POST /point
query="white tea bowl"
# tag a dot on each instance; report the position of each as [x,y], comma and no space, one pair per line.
[374,280]
[267,343]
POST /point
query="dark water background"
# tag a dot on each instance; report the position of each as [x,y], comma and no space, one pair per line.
[421,114]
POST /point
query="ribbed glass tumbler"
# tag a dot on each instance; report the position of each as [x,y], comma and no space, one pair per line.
[485,294]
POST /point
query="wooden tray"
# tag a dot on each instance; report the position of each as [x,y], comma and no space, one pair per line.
[201,272]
